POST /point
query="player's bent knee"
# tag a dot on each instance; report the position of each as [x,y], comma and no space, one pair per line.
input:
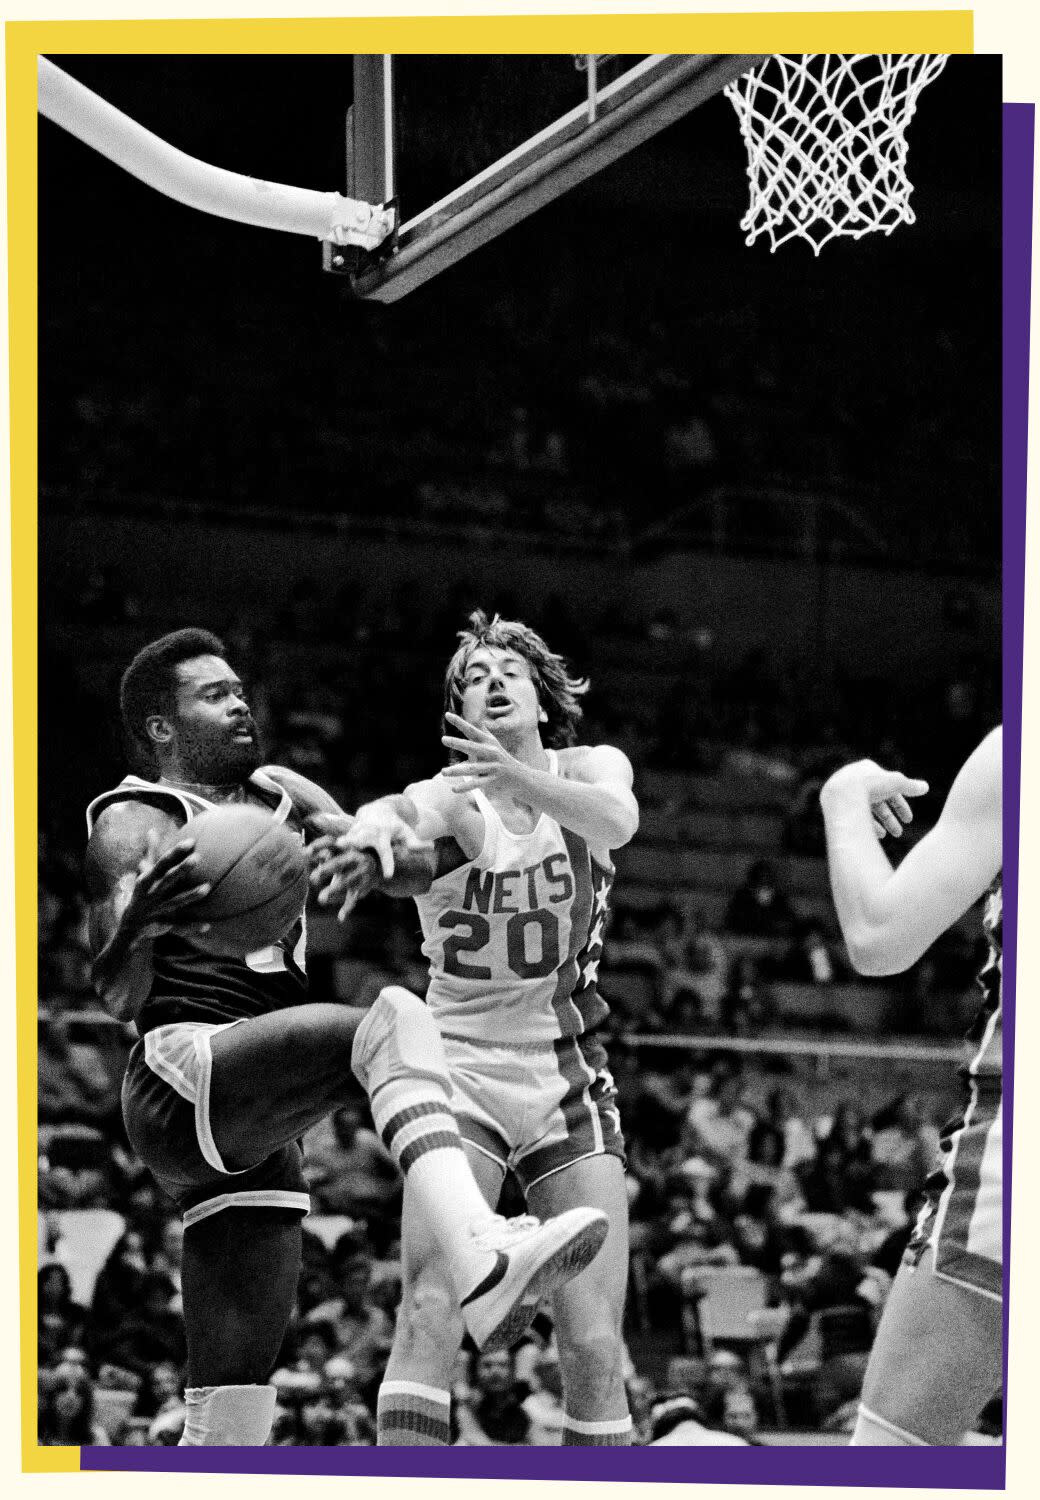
[398,1039]
[228,1416]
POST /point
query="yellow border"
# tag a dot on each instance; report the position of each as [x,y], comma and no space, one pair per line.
[825,31]
[867,31]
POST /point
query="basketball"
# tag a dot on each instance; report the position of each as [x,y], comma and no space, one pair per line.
[258,873]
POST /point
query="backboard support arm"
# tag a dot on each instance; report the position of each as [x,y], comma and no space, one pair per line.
[198,184]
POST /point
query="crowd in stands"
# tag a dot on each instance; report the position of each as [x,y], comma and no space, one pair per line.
[806,1177]
[550,414]
[727,1169]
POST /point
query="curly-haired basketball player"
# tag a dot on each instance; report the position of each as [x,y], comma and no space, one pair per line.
[937,1358]
[524,822]
[234,1065]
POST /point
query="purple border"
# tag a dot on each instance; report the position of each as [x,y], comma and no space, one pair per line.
[945,1468]
[1018,207]
[909,1468]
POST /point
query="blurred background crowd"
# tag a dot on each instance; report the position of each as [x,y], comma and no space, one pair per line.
[757,505]
[781,1114]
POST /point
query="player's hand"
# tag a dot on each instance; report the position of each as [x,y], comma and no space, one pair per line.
[352,856]
[886,792]
[343,877]
[165,885]
[487,763]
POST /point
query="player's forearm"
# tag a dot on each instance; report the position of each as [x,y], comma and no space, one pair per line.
[122,973]
[414,872]
[860,876]
[604,816]
[395,802]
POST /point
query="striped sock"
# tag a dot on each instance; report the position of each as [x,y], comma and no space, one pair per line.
[616,1432]
[399,1057]
[419,1131]
[409,1415]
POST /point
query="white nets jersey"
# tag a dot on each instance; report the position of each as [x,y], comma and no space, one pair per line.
[514,937]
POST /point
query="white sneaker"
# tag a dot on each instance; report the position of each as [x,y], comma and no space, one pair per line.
[531,1260]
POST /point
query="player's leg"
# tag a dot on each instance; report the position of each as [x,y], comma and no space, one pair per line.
[276,1075]
[589,1310]
[936,1361]
[241,1242]
[268,1080]
[415,1396]
[239,1279]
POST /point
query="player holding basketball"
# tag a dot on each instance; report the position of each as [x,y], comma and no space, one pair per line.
[937,1359]
[524,823]
[234,1065]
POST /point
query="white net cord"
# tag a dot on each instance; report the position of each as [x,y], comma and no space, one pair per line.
[826,143]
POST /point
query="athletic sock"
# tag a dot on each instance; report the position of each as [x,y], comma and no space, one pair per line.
[614,1432]
[410,1415]
[228,1416]
[399,1057]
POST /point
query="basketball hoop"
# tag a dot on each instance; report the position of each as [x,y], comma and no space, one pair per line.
[826,143]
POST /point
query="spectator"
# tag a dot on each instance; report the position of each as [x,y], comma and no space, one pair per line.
[729,1405]
[66,1417]
[151,1332]
[784,1111]
[169,1252]
[544,1406]
[739,1415]
[675,1421]
[60,1321]
[906,1144]
[810,959]
[832,1279]
[684,1014]
[316,1343]
[348,1169]
[491,1413]
[718,1125]
[747,1006]
[843,1177]
[760,907]
[74,1083]
[161,1390]
[341,1393]
[362,1330]
[708,966]
[117,1291]
[692,1235]
[888,1256]
[760,1185]
[132,1433]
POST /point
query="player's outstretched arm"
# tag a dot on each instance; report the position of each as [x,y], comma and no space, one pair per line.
[387,846]
[890,917]
[592,796]
[135,894]
[308,797]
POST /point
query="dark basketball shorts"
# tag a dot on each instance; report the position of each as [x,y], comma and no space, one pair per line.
[166,1111]
[963,1220]
[534,1108]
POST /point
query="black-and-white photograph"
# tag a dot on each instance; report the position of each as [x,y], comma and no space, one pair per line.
[520,942]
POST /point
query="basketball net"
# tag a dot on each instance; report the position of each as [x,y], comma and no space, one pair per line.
[826,143]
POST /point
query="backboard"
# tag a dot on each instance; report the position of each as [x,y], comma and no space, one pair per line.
[465,147]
